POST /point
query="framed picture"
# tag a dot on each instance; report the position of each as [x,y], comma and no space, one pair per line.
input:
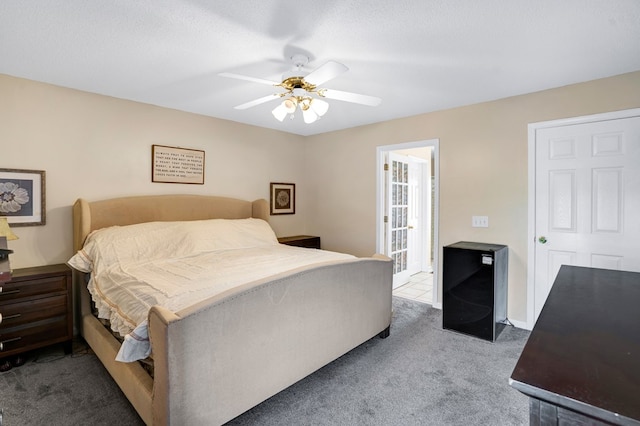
[22,196]
[283,198]
[177,165]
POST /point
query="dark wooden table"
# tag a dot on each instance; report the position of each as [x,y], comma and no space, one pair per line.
[581,364]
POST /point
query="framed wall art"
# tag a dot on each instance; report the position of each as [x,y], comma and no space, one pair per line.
[177,165]
[283,198]
[22,197]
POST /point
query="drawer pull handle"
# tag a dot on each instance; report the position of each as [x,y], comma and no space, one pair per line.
[15,339]
[8,317]
[9,292]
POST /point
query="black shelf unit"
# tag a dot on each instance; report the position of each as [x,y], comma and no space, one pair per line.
[475,289]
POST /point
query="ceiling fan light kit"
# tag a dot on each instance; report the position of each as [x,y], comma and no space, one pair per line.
[302,91]
[312,108]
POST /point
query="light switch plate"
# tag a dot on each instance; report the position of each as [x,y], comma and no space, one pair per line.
[480,221]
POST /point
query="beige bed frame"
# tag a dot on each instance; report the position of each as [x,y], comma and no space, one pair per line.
[217,359]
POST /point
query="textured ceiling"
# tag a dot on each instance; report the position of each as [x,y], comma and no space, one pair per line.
[417,55]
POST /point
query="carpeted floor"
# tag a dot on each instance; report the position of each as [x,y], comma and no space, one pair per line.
[420,375]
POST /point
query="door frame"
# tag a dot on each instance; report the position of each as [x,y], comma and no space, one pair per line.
[380,187]
[531,231]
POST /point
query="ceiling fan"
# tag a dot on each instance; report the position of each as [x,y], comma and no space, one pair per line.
[302,91]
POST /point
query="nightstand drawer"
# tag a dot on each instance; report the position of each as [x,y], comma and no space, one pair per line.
[15,314]
[36,309]
[17,288]
[32,335]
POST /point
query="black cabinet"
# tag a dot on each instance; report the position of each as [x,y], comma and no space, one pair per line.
[474,285]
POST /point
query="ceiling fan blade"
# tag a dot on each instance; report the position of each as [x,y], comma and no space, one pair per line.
[325,72]
[257,101]
[350,97]
[247,78]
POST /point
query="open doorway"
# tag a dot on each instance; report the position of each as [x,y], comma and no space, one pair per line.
[407,216]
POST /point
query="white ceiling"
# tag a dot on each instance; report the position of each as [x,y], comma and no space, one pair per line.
[417,55]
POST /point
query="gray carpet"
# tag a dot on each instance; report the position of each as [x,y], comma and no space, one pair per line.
[420,375]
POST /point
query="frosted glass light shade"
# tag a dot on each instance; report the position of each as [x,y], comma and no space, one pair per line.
[290,105]
[319,106]
[309,115]
[280,112]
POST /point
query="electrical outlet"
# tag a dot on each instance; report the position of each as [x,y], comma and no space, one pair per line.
[480,221]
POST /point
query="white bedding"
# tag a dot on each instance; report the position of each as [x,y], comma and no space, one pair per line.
[176,264]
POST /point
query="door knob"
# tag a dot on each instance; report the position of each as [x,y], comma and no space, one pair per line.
[542,240]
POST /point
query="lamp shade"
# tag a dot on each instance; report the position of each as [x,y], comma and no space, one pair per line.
[309,116]
[5,231]
[280,112]
[319,106]
[290,105]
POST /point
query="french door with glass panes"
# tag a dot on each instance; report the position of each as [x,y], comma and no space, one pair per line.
[400,224]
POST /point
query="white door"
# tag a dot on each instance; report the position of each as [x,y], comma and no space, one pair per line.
[587,199]
[402,217]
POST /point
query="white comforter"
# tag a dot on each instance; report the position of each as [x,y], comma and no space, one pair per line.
[176,264]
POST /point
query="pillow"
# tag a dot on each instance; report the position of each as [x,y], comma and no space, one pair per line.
[162,240]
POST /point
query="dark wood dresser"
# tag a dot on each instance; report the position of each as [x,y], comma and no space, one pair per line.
[308,241]
[581,364]
[36,309]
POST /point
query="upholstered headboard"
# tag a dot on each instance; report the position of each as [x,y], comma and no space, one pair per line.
[89,216]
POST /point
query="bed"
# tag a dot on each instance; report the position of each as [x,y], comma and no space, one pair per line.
[218,357]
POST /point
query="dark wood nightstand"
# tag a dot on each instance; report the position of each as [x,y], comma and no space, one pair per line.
[307,241]
[35,309]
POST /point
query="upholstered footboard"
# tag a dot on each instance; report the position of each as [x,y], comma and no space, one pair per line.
[217,359]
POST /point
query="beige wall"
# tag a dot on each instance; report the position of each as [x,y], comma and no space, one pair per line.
[97,147]
[483,170]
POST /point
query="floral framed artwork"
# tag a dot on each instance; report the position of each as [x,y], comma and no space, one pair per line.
[22,196]
[283,198]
